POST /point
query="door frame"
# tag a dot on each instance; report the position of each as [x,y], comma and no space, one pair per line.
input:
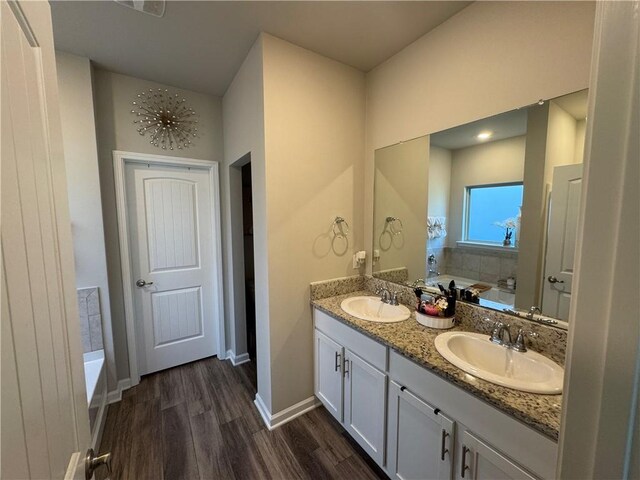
[120,160]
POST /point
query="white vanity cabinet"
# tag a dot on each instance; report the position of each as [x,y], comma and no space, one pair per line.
[329,387]
[421,438]
[364,404]
[351,382]
[415,424]
[422,444]
[481,461]
[495,445]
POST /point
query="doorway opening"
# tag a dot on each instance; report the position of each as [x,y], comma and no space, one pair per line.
[242,289]
[249,276]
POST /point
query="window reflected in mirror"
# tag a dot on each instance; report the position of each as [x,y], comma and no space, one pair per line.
[493,214]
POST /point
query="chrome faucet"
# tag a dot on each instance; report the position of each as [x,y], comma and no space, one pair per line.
[386,296]
[432,262]
[498,331]
[532,311]
[520,344]
[542,320]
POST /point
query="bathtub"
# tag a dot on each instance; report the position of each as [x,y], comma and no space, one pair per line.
[495,298]
[95,382]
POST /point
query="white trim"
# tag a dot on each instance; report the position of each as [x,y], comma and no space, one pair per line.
[602,344]
[120,158]
[486,246]
[75,469]
[286,415]
[101,420]
[237,359]
[116,395]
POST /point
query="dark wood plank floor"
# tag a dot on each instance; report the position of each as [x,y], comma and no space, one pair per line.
[199,421]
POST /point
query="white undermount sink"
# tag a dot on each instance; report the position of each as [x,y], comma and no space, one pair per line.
[374,310]
[475,354]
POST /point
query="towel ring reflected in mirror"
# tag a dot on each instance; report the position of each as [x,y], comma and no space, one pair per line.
[395,225]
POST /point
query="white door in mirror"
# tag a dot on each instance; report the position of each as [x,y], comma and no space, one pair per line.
[561,242]
[475,354]
[374,310]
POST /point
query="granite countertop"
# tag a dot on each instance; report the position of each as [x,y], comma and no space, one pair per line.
[416,342]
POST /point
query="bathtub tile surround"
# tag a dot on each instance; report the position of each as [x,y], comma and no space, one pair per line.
[90,319]
[477,263]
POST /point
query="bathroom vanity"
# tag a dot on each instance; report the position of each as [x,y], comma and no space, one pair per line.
[417,415]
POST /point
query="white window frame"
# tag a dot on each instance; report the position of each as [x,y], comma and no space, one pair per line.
[466,241]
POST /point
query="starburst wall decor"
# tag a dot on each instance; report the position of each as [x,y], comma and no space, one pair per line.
[166,117]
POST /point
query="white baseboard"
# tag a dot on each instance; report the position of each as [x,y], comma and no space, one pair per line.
[116,395]
[278,419]
[237,359]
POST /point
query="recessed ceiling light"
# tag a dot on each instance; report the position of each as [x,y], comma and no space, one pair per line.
[484,135]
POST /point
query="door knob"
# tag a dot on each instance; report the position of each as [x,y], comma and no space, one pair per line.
[92,462]
[142,283]
[552,279]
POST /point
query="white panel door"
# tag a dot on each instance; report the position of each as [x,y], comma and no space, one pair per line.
[480,461]
[420,439]
[44,416]
[364,404]
[328,374]
[561,240]
[171,214]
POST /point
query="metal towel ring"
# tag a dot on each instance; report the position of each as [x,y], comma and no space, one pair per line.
[395,225]
[338,229]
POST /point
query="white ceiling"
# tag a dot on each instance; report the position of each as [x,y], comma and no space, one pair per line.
[504,125]
[575,104]
[200,45]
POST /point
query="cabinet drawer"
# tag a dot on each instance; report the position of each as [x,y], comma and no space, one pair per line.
[366,348]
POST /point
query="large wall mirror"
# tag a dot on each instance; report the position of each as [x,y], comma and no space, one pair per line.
[492,205]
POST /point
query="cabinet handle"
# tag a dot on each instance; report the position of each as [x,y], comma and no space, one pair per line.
[443,450]
[464,465]
[346,367]
[337,367]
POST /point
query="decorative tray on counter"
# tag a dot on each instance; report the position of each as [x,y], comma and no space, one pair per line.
[431,321]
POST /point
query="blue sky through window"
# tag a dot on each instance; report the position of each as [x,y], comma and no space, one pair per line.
[488,205]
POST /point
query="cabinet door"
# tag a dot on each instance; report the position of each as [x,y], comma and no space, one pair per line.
[420,440]
[479,460]
[328,373]
[364,410]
